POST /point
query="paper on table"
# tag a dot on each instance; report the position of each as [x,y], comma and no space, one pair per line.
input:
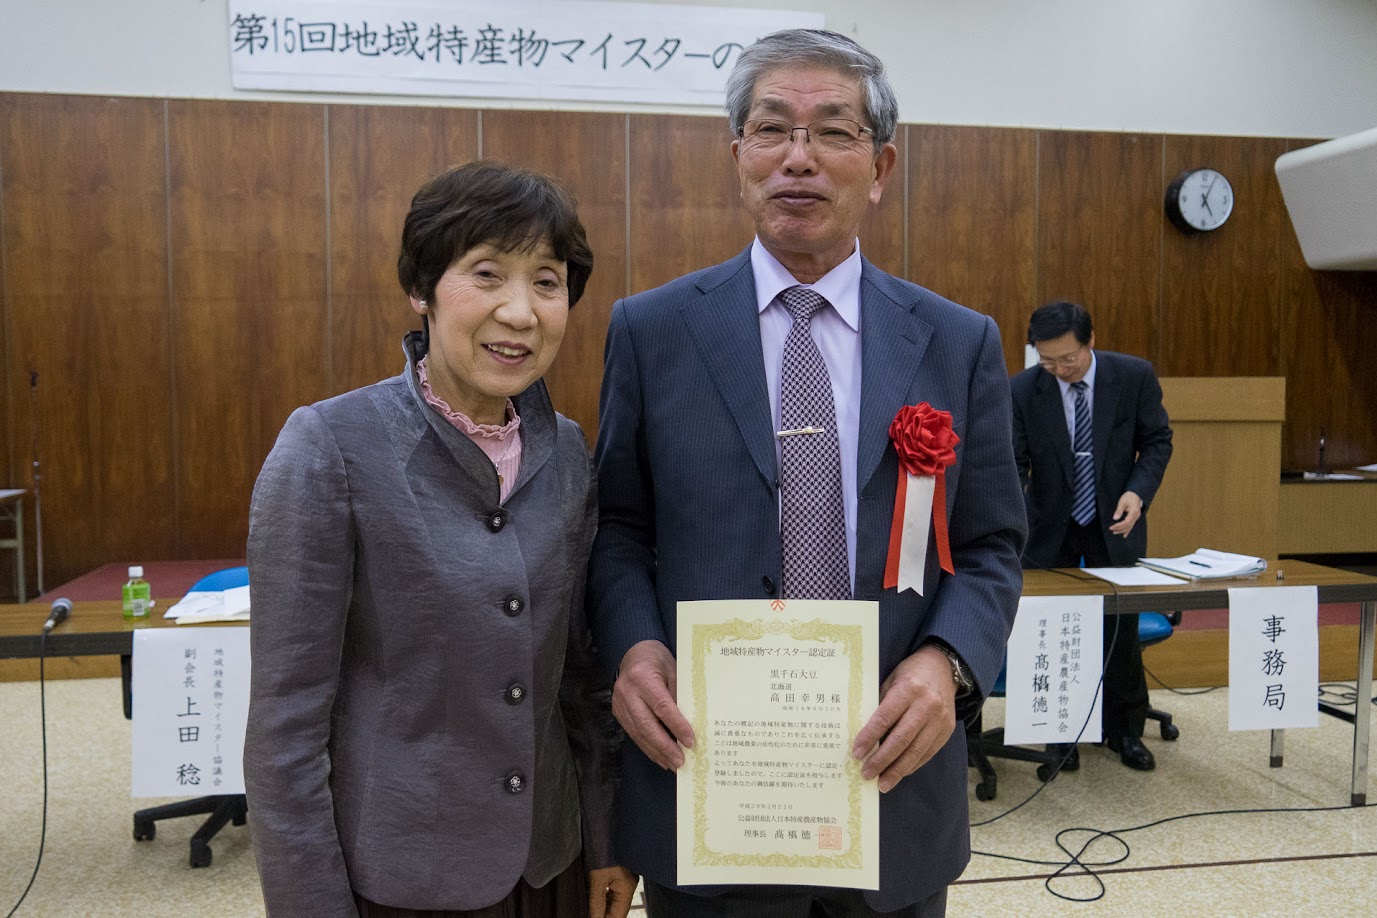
[1134,576]
[1368,468]
[230,605]
[1207,563]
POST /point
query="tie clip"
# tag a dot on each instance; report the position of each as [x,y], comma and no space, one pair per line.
[801,430]
[1083,454]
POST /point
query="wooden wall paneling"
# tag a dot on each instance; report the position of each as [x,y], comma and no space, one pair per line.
[1331,340]
[85,261]
[973,221]
[249,299]
[882,230]
[1221,291]
[1099,232]
[9,471]
[1329,337]
[686,210]
[379,156]
[587,151]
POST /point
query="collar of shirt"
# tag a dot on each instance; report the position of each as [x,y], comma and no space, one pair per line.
[841,286]
[1088,379]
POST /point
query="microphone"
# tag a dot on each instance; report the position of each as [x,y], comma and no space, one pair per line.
[61,609]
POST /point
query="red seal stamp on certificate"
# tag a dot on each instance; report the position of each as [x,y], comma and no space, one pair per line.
[829,838]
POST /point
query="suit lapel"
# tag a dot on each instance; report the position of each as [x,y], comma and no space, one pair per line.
[725,326]
[1106,398]
[893,341]
[1050,414]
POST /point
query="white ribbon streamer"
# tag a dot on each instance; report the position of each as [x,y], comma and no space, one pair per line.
[913,545]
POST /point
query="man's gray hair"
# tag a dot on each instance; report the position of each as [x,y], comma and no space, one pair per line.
[821,48]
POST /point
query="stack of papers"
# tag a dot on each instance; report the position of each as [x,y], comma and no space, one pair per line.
[230,605]
[1206,563]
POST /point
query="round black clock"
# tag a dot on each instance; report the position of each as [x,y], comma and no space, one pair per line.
[1199,200]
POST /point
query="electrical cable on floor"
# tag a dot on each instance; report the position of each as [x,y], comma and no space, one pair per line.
[1177,691]
[1076,859]
[43,726]
[1339,693]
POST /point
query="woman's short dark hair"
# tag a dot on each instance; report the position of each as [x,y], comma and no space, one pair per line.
[1056,319]
[488,203]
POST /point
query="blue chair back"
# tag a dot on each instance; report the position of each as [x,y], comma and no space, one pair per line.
[1153,628]
[227,579]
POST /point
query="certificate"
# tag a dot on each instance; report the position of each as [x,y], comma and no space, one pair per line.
[776,692]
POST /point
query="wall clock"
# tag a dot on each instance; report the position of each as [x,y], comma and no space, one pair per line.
[1199,200]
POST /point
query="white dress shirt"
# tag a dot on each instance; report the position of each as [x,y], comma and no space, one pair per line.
[1068,399]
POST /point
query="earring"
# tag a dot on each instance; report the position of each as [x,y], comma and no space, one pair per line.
[424,306]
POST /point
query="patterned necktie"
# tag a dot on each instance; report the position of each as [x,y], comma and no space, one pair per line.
[812,525]
[1083,481]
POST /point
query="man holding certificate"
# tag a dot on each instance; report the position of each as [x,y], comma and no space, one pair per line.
[798,430]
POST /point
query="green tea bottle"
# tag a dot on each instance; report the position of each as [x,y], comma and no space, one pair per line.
[137,593]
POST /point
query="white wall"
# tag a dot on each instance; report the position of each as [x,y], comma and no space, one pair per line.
[1296,68]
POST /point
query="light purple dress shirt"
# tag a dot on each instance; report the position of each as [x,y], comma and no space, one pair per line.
[837,333]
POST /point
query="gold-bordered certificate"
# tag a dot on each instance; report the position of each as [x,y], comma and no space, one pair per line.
[776,692]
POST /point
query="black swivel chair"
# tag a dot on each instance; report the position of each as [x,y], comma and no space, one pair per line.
[983,745]
[1154,628]
[223,808]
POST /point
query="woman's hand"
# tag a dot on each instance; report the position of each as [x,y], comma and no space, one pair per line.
[609,891]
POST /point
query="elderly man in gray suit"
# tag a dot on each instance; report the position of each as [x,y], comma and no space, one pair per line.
[700,499]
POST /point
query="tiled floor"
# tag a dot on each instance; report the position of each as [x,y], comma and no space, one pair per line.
[1253,864]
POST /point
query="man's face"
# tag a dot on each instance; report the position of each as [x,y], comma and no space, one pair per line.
[1065,357]
[807,198]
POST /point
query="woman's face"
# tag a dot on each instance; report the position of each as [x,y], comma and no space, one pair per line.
[496,323]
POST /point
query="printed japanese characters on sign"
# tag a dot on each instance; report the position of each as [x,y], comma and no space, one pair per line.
[190,691]
[550,50]
[1052,682]
[1273,657]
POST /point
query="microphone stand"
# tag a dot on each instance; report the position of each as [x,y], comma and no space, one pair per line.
[37,476]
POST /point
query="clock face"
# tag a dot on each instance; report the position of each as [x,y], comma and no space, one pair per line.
[1202,199]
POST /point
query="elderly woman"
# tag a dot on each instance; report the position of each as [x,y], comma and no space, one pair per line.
[426,727]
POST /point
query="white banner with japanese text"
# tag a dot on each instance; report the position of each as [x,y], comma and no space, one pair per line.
[526,49]
[191,705]
[1053,676]
[1274,657]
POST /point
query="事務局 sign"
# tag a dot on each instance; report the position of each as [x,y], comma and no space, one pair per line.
[557,50]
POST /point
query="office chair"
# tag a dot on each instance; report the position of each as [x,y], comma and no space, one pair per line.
[1154,628]
[223,808]
[983,745]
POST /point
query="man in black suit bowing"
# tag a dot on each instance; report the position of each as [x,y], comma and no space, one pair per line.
[702,498]
[1092,441]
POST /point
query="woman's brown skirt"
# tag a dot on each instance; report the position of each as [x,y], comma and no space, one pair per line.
[566,896]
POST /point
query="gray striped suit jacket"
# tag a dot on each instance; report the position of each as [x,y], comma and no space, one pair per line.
[689,509]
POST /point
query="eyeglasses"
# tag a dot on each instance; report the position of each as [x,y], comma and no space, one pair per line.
[830,133]
[1068,361]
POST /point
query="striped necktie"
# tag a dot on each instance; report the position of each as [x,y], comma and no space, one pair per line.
[812,524]
[1083,481]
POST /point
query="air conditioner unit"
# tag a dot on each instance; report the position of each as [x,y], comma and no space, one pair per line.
[1331,194]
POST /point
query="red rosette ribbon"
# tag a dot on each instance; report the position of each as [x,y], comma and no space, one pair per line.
[926,444]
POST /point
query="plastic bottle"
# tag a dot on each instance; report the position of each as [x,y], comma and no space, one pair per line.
[137,594]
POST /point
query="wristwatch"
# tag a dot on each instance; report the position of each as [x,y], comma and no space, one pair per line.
[959,674]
